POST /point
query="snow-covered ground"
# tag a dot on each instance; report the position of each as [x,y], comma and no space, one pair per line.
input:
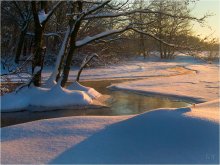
[198,86]
[161,136]
[41,99]
[135,68]
[208,111]
[184,135]
[184,77]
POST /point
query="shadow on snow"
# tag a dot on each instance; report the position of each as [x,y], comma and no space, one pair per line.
[161,136]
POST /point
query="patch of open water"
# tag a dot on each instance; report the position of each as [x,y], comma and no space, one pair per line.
[122,103]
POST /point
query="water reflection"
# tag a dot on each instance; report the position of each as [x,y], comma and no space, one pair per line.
[126,103]
[129,103]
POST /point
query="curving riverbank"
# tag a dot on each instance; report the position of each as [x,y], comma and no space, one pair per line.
[187,135]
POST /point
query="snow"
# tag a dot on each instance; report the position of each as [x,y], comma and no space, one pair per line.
[90,91]
[206,111]
[97,36]
[188,135]
[37,69]
[43,140]
[167,136]
[58,98]
[51,81]
[19,101]
[42,16]
[199,84]
[129,69]
[190,79]
[40,99]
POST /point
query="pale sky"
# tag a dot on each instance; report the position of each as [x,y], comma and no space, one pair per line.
[208,6]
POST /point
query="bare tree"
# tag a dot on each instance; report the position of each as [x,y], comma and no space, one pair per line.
[170,29]
[82,11]
[80,14]
[20,13]
[41,17]
[86,60]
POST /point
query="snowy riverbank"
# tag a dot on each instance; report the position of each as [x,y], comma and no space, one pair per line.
[188,135]
[184,78]
[199,86]
[44,99]
[133,68]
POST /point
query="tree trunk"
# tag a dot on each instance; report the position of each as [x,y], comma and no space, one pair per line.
[25,48]
[142,47]
[60,67]
[161,50]
[59,61]
[38,60]
[30,46]
[20,45]
[38,56]
[72,45]
[84,63]
[165,51]
[68,62]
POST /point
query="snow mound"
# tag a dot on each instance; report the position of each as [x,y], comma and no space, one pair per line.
[50,83]
[162,136]
[35,98]
[206,111]
[90,91]
[19,101]
[58,97]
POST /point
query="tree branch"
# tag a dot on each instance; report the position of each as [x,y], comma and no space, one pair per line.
[52,11]
[96,8]
[154,37]
[35,13]
[19,10]
[118,8]
[89,39]
[146,11]
[86,60]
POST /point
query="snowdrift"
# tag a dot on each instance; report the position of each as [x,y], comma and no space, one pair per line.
[162,136]
[206,111]
[90,91]
[40,99]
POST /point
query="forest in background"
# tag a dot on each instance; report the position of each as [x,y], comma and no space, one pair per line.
[63,33]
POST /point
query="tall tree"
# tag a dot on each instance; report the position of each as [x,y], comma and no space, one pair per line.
[18,12]
[41,17]
[83,11]
[170,29]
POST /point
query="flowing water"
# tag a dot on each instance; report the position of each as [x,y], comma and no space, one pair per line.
[122,103]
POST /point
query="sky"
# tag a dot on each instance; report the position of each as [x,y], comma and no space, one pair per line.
[212,25]
[208,6]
